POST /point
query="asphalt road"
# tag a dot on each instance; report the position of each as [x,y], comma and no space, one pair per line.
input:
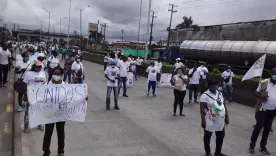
[144,126]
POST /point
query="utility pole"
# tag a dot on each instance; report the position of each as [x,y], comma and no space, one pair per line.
[151,26]
[169,29]
[97,35]
[146,47]
[123,35]
[137,46]
[104,29]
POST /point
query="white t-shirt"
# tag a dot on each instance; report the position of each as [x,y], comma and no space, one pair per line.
[226,74]
[139,62]
[195,78]
[178,80]
[124,68]
[270,103]
[106,59]
[203,70]
[23,65]
[152,73]
[158,65]
[35,78]
[77,66]
[178,65]
[112,73]
[4,56]
[53,62]
[215,114]
[51,83]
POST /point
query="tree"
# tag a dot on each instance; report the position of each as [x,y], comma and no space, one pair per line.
[187,23]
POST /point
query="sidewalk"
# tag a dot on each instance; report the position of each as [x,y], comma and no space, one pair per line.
[6,116]
[144,126]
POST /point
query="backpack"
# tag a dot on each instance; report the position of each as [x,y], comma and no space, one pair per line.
[227,79]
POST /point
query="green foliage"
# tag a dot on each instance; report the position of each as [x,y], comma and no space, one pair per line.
[216,71]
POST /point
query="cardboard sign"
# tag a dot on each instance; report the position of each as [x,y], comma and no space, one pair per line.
[165,79]
[130,77]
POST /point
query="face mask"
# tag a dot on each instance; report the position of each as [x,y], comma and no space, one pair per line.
[179,73]
[25,59]
[113,66]
[273,77]
[214,88]
[78,60]
[56,77]
[37,69]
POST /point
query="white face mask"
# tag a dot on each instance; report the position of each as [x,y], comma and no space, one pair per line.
[56,77]
[78,60]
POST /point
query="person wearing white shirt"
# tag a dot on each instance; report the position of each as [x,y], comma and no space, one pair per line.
[194,76]
[124,68]
[227,77]
[158,64]
[152,76]
[139,63]
[53,61]
[265,112]
[179,82]
[5,62]
[214,117]
[106,60]
[203,85]
[77,70]
[112,74]
[133,66]
[178,64]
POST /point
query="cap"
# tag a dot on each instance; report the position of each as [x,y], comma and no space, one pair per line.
[178,59]
[112,62]
[38,63]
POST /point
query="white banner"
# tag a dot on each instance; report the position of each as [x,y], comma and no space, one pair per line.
[130,77]
[92,27]
[55,103]
[256,69]
[165,79]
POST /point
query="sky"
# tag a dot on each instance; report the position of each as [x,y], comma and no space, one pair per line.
[124,14]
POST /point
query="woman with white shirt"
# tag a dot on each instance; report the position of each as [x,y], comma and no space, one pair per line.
[214,117]
[77,69]
[53,62]
[179,81]
[36,76]
[21,67]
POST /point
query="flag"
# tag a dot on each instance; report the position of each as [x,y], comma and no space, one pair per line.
[256,69]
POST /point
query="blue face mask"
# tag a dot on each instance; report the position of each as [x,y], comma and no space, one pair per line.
[273,77]
[26,59]
[214,88]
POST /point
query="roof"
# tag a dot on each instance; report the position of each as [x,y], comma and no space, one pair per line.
[233,46]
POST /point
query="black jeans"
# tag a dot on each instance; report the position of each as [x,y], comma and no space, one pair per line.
[193,88]
[105,64]
[178,99]
[49,128]
[67,73]
[63,56]
[50,74]
[264,121]
[4,69]
[219,141]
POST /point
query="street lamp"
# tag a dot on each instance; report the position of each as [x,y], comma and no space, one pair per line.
[40,29]
[69,22]
[80,20]
[49,22]
[60,24]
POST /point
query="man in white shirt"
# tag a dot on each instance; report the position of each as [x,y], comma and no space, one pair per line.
[106,60]
[158,64]
[265,112]
[112,74]
[124,68]
[139,63]
[227,77]
[178,64]
[194,76]
[203,84]
[5,61]
[152,75]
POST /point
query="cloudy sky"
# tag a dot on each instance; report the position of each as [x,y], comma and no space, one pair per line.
[124,14]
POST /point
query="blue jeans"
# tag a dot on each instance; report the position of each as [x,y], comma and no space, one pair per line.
[193,88]
[26,117]
[79,80]
[122,80]
[108,93]
[152,84]
[67,73]
[227,91]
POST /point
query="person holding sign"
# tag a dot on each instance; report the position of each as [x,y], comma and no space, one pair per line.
[112,74]
[179,81]
[214,117]
[36,76]
[49,128]
[152,76]
[227,77]
[77,69]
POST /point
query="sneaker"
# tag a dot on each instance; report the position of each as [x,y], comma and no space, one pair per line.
[41,128]
[190,101]
[125,96]
[251,151]
[196,102]
[148,94]
[208,154]
[221,154]
[174,114]
[181,114]
[19,109]
[264,151]
[271,130]
[154,95]
[23,105]
[230,101]
[116,107]
[107,108]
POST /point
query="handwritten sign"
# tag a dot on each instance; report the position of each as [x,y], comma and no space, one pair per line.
[165,79]
[55,103]
[130,79]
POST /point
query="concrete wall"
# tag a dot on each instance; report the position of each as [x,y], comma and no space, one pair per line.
[243,92]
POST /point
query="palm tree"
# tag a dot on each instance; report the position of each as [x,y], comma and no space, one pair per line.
[187,23]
